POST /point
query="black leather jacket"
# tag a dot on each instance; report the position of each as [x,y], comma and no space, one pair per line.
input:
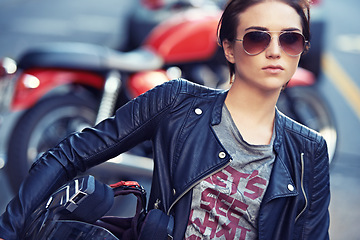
[178,117]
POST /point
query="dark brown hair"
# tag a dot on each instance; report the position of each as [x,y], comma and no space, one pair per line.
[229,20]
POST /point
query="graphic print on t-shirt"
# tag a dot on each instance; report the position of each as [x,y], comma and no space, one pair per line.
[228,204]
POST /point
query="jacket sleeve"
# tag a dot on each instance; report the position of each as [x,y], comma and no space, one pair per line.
[318,220]
[133,123]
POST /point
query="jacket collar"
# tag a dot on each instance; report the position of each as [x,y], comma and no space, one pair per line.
[279,129]
[217,110]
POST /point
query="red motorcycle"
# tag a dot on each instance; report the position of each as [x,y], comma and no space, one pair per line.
[60,88]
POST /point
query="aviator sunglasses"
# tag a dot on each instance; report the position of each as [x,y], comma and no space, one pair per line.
[255,42]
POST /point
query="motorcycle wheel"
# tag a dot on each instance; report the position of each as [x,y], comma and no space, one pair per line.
[306,106]
[42,127]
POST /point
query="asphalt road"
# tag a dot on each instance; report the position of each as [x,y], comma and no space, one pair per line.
[27,23]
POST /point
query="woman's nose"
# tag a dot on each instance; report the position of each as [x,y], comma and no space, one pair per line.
[274,48]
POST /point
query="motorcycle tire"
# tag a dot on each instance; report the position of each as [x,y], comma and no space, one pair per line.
[42,127]
[306,105]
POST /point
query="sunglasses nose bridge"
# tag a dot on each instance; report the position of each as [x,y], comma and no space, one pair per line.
[274,40]
[278,41]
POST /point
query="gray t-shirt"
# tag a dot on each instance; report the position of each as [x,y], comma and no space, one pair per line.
[226,204]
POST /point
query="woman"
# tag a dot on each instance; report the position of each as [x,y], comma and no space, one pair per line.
[228,164]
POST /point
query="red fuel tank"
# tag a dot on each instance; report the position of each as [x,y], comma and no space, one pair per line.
[186,37]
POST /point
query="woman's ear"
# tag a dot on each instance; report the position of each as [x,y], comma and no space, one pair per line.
[228,51]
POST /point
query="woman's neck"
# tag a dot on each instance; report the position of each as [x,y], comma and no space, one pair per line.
[253,112]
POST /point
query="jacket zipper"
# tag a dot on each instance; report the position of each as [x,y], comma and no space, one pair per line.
[302,187]
[195,183]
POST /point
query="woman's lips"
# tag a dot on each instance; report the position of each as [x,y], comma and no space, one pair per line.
[273,69]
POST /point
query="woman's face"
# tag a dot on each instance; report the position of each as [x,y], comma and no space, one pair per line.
[272,68]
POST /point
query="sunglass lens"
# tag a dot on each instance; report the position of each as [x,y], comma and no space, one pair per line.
[292,43]
[256,42]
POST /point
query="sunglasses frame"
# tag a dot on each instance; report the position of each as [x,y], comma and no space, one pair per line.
[306,42]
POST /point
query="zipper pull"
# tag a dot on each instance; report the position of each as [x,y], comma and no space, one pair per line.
[157,204]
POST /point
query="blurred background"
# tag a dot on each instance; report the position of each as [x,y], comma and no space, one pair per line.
[110,23]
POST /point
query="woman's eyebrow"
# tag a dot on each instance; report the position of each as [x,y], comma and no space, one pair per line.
[266,29]
[291,29]
[256,28]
